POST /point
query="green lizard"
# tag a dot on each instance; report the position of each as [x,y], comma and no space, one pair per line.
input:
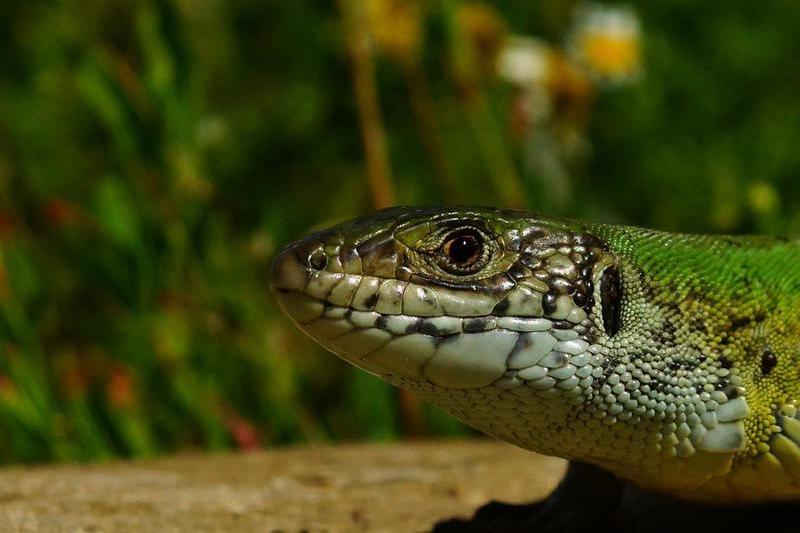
[668,360]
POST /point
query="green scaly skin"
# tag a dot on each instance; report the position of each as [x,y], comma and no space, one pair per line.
[668,360]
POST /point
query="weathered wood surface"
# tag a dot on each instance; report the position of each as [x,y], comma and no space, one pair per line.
[366,487]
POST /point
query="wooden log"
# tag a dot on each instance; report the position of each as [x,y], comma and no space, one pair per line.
[363,487]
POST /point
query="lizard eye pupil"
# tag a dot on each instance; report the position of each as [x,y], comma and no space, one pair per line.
[463,252]
[463,249]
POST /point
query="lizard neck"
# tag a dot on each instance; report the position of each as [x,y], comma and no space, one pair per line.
[717,316]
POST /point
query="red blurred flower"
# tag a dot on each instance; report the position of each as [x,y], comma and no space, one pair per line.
[61,212]
[120,388]
[244,434]
[7,225]
[8,390]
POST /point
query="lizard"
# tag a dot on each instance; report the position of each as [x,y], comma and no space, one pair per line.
[665,361]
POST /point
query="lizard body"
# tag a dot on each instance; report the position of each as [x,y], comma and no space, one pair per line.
[669,360]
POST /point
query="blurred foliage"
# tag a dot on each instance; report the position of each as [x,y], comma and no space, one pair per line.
[154,155]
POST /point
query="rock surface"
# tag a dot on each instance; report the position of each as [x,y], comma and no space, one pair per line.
[365,487]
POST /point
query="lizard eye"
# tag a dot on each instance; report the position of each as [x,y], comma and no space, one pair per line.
[462,252]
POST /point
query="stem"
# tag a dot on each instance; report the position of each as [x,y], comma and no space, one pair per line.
[499,163]
[366,94]
[425,113]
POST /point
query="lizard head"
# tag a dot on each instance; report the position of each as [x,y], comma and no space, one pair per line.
[561,337]
[461,305]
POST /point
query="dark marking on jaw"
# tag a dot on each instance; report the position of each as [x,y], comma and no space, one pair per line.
[549,303]
[371,300]
[426,327]
[413,327]
[382,322]
[474,325]
[501,307]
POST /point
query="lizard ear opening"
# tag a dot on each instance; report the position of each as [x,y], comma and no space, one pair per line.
[611,300]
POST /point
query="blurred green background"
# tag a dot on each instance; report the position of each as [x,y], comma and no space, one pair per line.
[154,156]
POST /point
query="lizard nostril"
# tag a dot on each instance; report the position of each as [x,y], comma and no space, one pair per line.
[318,260]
